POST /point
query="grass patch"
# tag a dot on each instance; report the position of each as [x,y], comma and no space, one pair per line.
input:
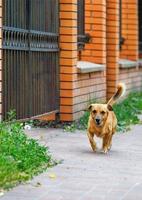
[128,110]
[127,113]
[20,157]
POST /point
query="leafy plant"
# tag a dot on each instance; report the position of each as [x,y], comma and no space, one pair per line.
[20,157]
[127,111]
[11,115]
[83,121]
[70,127]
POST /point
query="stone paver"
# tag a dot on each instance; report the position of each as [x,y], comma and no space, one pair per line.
[84,175]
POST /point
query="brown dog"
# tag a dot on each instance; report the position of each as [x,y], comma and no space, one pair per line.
[102,121]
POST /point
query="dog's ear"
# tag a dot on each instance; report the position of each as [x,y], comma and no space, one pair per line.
[109,107]
[90,107]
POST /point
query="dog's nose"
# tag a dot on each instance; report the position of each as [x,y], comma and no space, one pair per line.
[97,120]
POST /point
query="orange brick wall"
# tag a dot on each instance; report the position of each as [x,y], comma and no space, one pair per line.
[95,25]
[132,78]
[129,50]
[92,86]
[78,89]
[88,87]
[129,19]
[112,43]
[102,23]
[0,59]
[68,57]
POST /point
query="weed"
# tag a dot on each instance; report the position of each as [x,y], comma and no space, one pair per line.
[70,127]
[20,157]
[11,115]
[127,111]
[83,121]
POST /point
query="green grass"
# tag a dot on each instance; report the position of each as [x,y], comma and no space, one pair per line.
[20,157]
[128,110]
[127,113]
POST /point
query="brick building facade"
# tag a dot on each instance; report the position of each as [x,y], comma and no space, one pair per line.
[112,54]
[102,22]
[0,59]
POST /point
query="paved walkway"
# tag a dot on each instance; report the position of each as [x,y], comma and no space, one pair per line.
[84,175]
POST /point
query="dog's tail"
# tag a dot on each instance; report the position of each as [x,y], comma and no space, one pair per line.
[121,88]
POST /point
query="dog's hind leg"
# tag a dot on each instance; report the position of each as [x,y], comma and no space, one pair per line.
[91,140]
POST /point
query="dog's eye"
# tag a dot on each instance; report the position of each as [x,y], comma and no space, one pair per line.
[102,112]
[94,111]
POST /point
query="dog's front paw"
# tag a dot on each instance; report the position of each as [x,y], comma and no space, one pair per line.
[94,149]
[109,148]
[93,146]
[105,150]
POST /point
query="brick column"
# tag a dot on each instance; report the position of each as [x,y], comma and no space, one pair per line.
[130,29]
[0,59]
[68,56]
[132,77]
[112,43]
[95,25]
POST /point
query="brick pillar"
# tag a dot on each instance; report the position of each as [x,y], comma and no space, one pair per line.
[68,56]
[112,43]
[0,59]
[95,25]
[130,29]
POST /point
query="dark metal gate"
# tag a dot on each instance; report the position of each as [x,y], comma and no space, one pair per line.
[30,57]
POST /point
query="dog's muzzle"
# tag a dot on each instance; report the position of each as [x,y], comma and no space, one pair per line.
[98,121]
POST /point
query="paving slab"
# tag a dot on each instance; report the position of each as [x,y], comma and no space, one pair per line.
[83,174]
